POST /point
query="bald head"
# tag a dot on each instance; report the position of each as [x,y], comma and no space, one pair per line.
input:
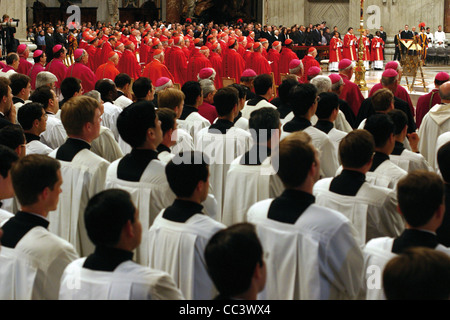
[444,92]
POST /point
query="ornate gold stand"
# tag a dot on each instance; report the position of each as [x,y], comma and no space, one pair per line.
[360,70]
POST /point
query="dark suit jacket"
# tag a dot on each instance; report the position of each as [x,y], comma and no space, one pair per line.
[407,34]
[49,44]
[383,36]
[59,39]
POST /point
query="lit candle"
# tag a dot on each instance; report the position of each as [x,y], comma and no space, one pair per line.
[362,9]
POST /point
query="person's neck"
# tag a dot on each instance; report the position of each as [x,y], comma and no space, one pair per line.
[33,131]
[22,97]
[362,170]
[230,117]
[125,246]
[400,138]
[194,198]
[36,208]
[383,150]
[148,145]
[267,96]
[82,137]
[306,187]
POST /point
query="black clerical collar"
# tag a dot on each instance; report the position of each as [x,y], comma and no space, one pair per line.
[324,126]
[255,100]
[288,207]
[398,149]
[133,165]
[71,148]
[107,258]
[182,210]
[414,238]
[348,183]
[187,110]
[31,137]
[17,99]
[237,117]
[256,155]
[221,125]
[378,159]
[162,148]
[297,124]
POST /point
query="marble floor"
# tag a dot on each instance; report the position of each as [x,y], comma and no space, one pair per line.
[429,72]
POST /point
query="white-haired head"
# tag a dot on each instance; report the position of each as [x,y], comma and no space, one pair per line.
[322,83]
[45,78]
[207,87]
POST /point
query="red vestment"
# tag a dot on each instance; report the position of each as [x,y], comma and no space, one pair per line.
[216,62]
[335,50]
[177,64]
[24,66]
[107,71]
[106,49]
[128,64]
[308,62]
[274,57]
[350,47]
[377,49]
[352,95]
[233,65]
[59,69]
[91,50]
[425,103]
[82,72]
[208,111]
[35,69]
[259,64]
[143,54]
[286,56]
[155,70]
[197,63]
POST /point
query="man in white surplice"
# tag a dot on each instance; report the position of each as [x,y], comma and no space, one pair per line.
[312,250]
[408,160]
[384,172]
[179,234]
[140,172]
[112,223]
[83,171]
[304,100]
[435,123]
[421,202]
[371,209]
[108,92]
[250,178]
[27,235]
[263,85]
[7,158]
[222,142]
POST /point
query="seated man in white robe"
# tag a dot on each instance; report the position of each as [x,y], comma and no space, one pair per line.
[371,209]
[33,119]
[327,112]
[435,123]
[443,160]
[235,261]
[383,171]
[251,178]
[112,223]
[178,236]
[263,85]
[27,232]
[7,158]
[123,85]
[222,142]
[108,92]
[408,160]
[189,119]
[421,202]
[312,251]
[304,100]
[168,120]
[240,121]
[55,134]
[20,88]
[418,274]
[83,171]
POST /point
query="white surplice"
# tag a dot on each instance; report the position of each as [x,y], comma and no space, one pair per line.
[106,146]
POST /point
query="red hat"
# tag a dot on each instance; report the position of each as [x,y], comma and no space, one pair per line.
[344,64]
[241,39]
[214,46]
[171,41]
[127,42]
[155,42]
[314,71]
[188,20]
[231,42]
[206,73]
[239,21]
[37,53]
[196,40]
[249,45]
[390,73]
[163,38]
[392,65]
[57,48]
[288,42]
[157,52]
[118,44]
[176,40]
[312,49]
[163,83]
[21,48]
[111,54]
[442,76]
[210,36]
[276,43]
[249,73]
[222,35]
[78,53]
[262,40]
[256,46]
[204,48]
[335,78]
[294,63]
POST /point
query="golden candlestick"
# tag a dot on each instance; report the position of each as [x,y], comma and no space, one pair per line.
[360,70]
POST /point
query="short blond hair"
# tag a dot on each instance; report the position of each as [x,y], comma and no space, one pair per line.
[170,98]
[76,112]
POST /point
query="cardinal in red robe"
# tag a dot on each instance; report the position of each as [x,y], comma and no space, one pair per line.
[198,62]
[108,70]
[40,59]
[57,66]
[286,56]
[233,63]
[81,71]
[156,69]
[257,62]
[309,61]
[24,64]
[274,56]
[128,63]
[91,49]
[351,93]
[106,49]
[216,62]
[177,63]
[350,46]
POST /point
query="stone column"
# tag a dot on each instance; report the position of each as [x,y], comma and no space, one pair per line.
[16,9]
[113,16]
[173,10]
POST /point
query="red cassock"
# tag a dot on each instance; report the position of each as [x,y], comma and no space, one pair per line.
[367,44]
[186,51]
[97,58]
[177,64]
[143,54]
[82,45]
[135,41]
[24,66]
[241,50]
[377,49]
[233,65]
[35,69]
[247,55]
[107,71]
[352,95]
[128,64]
[308,62]
[119,54]
[193,51]
[401,93]
[150,55]
[106,49]
[335,50]
[286,56]
[155,70]
[259,64]
[91,50]
[82,72]
[425,103]
[223,47]
[350,47]
[59,69]
[274,57]
[197,63]
[216,62]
